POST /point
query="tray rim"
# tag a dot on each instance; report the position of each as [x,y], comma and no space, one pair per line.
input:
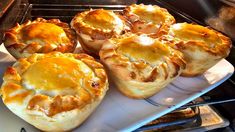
[193,97]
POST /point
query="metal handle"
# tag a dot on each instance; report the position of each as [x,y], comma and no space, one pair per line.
[207,102]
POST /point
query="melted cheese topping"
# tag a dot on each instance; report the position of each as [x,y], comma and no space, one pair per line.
[56,74]
[43,33]
[188,32]
[143,48]
[100,19]
[149,14]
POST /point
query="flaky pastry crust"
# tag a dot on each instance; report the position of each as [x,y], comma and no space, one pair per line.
[54,91]
[149,19]
[96,26]
[39,36]
[202,47]
[139,65]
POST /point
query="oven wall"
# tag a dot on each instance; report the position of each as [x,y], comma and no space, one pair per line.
[85,2]
[12,16]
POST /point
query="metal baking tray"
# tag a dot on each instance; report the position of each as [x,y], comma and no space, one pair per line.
[175,120]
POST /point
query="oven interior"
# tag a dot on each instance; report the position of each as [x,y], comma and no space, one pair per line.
[20,11]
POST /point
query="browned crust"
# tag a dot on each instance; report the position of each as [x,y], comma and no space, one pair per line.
[91,92]
[222,49]
[134,96]
[164,28]
[152,76]
[89,50]
[123,68]
[14,44]
[121,61]
[219,51]
[178,63]
[191,75]
[95,33]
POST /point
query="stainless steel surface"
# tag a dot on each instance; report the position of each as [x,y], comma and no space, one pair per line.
[208,102]
[210,119]
[189,117]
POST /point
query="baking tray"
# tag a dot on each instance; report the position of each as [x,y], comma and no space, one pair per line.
[178,119]
[210,120]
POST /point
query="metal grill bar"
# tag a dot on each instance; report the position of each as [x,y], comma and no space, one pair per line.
[209,102]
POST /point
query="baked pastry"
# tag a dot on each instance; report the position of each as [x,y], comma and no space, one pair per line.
[54,91]
[94,27]
[139,65]
[201,46]
[40,36]
[149,19]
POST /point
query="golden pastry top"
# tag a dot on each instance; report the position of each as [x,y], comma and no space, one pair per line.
[141,58]
[187,32]
[134,46]
[149,13]
[54,82]
[46,33]
[101,19]
[98,24]
[56,73]
[205,38]
[39,36]
[149,19]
